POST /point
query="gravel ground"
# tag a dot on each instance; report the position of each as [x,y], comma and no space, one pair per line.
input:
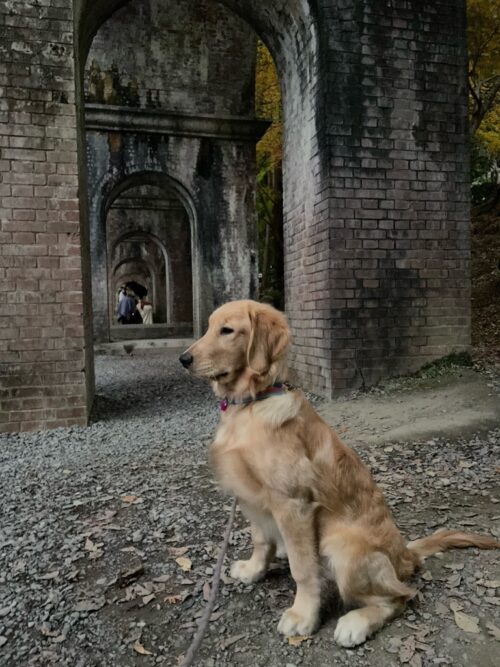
[109,534]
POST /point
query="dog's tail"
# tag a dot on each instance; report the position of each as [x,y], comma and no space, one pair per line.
[450,539]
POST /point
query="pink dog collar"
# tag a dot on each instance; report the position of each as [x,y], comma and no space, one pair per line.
[275,389]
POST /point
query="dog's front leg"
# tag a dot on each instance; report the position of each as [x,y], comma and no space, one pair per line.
[264,549]
[295,519]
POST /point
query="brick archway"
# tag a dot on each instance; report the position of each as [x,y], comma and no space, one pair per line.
[376,192]
[106,188]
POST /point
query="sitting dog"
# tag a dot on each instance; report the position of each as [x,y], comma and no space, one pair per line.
[299,485]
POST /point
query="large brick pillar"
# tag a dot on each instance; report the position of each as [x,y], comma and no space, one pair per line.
[398,273]
[42,347]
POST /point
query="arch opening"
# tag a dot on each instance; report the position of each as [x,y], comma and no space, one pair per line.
[148,235]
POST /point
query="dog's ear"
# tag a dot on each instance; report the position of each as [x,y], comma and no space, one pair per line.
[269,338]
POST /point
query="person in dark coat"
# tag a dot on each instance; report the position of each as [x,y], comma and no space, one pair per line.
[125,312]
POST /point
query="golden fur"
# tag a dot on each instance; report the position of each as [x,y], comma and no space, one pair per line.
[302,488]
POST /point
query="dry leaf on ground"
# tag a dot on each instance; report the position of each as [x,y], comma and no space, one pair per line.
[184,563]
[177,551]
[298,639]
[466,623]
[407,650]
[139,648]
[93,549]
[173,599]
[130,498]
[206,591]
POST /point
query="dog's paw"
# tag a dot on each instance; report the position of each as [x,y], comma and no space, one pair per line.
[294,623]
[245,571]
[352,629]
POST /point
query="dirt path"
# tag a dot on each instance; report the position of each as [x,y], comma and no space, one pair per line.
[455,404]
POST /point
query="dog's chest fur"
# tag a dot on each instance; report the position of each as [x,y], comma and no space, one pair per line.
[245,455]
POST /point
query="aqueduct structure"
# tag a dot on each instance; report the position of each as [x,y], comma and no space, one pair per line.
[106,103]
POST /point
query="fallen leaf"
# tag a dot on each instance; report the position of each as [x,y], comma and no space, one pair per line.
[173,599]
[407,650]
[493,631]
[466,623]
[161,579]
[184,563]
[492,584]
[206,591]
[427,576]
[131,498]
[298,639]
[139,648]
[93,549]
[177,551]
[147,598]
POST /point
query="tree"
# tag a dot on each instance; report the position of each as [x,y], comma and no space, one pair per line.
[483,36]
[269,180]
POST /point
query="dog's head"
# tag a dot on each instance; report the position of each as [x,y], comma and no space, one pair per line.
[243,350]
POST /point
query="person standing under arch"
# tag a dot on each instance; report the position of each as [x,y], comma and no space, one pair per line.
[126,309]
[145,308]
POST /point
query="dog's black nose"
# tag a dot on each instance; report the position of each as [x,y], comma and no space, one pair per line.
[186,359]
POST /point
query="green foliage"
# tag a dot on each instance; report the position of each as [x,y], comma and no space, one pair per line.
[484,172]
[483,37]
[444,365]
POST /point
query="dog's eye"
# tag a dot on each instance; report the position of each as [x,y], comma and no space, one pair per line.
[225,331]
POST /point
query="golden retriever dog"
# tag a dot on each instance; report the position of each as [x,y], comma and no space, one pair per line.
[301,488]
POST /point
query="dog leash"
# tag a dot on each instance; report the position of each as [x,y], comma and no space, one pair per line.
[203,624]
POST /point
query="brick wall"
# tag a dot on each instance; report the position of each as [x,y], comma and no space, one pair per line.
[42,360]
[182,55]
[399,187]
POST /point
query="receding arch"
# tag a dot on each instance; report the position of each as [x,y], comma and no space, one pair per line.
[142,235]
[107,190]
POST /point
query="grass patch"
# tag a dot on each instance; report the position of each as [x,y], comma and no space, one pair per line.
[455,360]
